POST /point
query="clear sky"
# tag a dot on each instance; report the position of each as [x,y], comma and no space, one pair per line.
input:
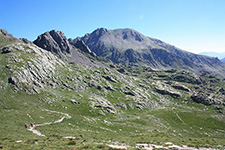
[192,25]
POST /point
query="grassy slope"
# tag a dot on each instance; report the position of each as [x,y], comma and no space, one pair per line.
[148,126]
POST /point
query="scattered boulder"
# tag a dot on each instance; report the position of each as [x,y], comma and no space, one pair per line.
[132,93]
[7,49]
[109,78]
[12,80]
[166,90]
[74,101]
[121,105]
[103,104]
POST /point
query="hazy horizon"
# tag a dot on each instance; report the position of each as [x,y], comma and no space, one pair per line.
[194,26]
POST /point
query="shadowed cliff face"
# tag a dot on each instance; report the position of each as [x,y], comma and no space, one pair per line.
[127,46]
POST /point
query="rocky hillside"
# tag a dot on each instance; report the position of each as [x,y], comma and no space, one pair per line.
[33,69]
[128,46]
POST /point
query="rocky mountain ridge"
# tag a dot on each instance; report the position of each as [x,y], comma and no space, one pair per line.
[57,43]
[128,46]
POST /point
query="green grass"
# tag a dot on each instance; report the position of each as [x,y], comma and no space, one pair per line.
[5,41]
[151,126]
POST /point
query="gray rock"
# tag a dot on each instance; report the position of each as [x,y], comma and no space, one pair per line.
[132,93]
[7,49]
[103,104]
[201,98]
[74,101]
[166,90]
[179,86]
[109,78]
[187,77]
[82,46]
[121,105]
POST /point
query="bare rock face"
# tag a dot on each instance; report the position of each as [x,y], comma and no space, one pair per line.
[54,41]
[82,46]
[34,74]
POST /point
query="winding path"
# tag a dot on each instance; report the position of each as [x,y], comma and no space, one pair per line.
[32,129]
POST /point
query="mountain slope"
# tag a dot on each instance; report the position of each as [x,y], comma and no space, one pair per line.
[128,46]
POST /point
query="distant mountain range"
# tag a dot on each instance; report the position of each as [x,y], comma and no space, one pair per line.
[129,47]
[223,59]
[214,54]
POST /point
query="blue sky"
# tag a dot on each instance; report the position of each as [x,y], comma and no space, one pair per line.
[192,25]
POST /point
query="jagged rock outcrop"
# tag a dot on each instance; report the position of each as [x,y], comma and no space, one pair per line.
[57,43]
[187,77]
[5,33]
[179,86]
[166,90]
[209,97]
[82,46]
[54,41]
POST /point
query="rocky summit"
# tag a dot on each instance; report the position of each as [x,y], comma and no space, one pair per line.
[111,89]
[54,41]
[57,43]
[128,46]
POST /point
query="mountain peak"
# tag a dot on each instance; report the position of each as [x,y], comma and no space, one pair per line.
[128,46]
[54,41]
[5,33]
